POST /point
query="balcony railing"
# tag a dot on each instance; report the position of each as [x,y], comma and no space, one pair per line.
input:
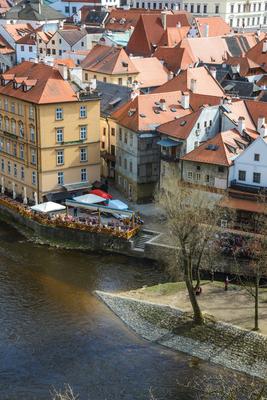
[169,158]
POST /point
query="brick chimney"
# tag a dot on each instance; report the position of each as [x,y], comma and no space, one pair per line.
[163,105]
[260,123]
[241,125]
[185,100]
[193,85]
[164,19]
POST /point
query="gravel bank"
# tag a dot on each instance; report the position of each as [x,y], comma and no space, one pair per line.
[217,342]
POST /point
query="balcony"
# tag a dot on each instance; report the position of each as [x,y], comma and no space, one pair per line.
[170,158]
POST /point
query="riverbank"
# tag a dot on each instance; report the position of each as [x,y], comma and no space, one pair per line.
[218,342]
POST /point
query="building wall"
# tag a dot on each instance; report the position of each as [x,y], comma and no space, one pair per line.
[205,174]
[108,132]
[122,79]
[137,163]
[26,52]
[40,147]
[246,162]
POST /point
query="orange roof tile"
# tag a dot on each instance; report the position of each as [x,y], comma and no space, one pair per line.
[17,31]
[149,31]
[246,65]
[122,20]
[217,26]
[244,205]
[49,86]
[108,60]
[174,58]
[173,36]
[203,78]
[144,112]
[5,47]
[257,54]
[151,72]
[217,150]
[180,128]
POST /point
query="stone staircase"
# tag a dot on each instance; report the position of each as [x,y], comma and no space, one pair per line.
[140,240]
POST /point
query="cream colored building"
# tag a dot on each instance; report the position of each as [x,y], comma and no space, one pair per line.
[49,134]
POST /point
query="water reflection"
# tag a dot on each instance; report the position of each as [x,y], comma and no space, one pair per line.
[54,331]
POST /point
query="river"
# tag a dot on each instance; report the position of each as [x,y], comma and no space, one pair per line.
[54,331]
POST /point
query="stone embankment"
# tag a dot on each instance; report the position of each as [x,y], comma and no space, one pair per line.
[217,342]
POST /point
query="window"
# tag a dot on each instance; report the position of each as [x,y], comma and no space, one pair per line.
[21,151]
[120,161]
[7,124]
[8,147]
[22,48]
[82,44]
[232,8]
[83,154]
[112,150]
[125,137]
[21,129]
[120,134]
[125,163]
[15,170]
[3,165]
[220,169]
[256,157]
[198,176]
[30,49]
[198,168]
[20,109]
[195,144]
[60,157]
[131,166]
[31,112]
[83,132]
[120,81]
[83,113]
[9,167]
[15,149]
[83,174]
[103,145]
[34,178]
[53,42]
[53,51]
[217,9]
[33,156]
[13,108]
[104,131]
[74,10]
[112,131]
[32,134]
[241,175]
[59,135]
[67,9]
[198,8]
[256,177]
[86,76]
[6,105]
[13,126]
[22,173]
[192,8]
[60,178]
[1,144]
[207,178]
[205,8]
[59,114]
[60,52]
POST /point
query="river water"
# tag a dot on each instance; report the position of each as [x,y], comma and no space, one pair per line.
[54,331]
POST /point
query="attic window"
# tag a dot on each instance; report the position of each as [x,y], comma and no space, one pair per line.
[182,123]
[231,149]
[142,115]
[212,147]
[173,109]
[131,112]
[156,111]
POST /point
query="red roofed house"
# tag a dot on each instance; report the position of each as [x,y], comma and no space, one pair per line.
[46,148]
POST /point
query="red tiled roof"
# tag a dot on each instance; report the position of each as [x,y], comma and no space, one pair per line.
[5,47]
[17,31]
[108,60]
[149,31]
[173,36]
[144,112]
[217,26]
[151,72]
[123,20]
[257,55]
[244,205]
[203,79]
[217,150]
[174,58]
[246,65]
[49,86]
[180,128]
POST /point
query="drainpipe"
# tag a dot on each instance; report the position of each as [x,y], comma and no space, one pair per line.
[109,147]
[37,153]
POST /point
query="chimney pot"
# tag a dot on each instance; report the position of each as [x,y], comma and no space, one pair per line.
[264,46]
[185,100]
[260,124]
[241,125]
[193,85]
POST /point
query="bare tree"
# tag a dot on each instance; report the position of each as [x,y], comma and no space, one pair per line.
[192,217]
[66,394]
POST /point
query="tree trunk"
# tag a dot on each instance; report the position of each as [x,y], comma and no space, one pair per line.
[197,277]
[256,315]
[198,317]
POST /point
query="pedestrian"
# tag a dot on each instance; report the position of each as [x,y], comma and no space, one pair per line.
[198,291]
[226,283]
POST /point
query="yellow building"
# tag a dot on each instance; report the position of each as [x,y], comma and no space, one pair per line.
[110,65]
[49,134]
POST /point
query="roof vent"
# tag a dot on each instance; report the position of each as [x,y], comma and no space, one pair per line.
[182,123]
[142,115]
[156,111]
[212,147]
[173,109]
[131,112]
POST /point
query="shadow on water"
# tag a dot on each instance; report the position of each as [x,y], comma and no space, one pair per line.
[54,331]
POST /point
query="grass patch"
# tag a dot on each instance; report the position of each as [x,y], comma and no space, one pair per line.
[170,288]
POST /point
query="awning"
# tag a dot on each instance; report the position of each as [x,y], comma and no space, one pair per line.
[71,187]
[244,205]
[117,204]
[168,143]
[89,199]
[48,207]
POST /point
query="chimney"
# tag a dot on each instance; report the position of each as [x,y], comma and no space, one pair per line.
[213,72]
[193,85]
[171,75]
[63,69]
[185,100]
[178,25]
[134,93]
[260,123]
[241,125]
[92,84]
[163,106]
[164,19]
[206,30]
[263,132]
[264,46]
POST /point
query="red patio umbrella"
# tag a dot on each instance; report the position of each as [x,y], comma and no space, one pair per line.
[101,193]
